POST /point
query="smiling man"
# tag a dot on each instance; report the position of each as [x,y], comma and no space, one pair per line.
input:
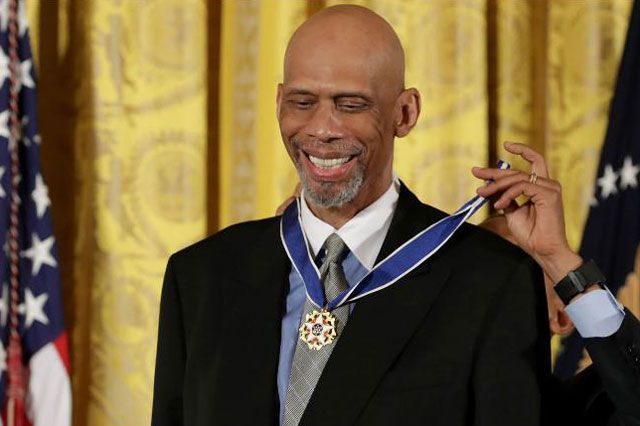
[333,313]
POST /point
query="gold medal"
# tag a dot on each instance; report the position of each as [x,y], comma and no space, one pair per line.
[318,329]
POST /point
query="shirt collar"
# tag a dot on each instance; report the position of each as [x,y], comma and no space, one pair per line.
[363,234]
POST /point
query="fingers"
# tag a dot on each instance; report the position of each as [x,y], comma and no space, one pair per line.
[503,181]
[535,193]
[538,165]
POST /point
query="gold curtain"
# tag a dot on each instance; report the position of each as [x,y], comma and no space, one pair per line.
[124,123]
[153,122]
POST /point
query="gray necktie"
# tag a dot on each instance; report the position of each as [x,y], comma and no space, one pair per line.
[308,363]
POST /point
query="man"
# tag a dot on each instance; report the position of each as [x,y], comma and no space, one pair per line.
[608,393]
[458,339]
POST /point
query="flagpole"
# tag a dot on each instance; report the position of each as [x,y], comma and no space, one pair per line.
[15,368]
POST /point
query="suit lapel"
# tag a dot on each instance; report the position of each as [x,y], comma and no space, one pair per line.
[246,385]
[379,327]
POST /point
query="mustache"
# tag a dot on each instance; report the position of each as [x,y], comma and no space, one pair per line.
[340,146]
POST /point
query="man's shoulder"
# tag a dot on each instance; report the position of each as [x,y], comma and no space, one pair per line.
[232,240]
[474,240]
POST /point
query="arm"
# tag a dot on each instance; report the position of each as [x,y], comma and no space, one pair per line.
[617,360]
[512,365]
[537,226]
[170,358]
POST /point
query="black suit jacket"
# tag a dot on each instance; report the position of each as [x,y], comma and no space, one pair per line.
[608,392]
[461,340]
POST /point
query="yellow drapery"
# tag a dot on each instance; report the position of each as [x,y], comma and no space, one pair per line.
[124,120]
[124,93]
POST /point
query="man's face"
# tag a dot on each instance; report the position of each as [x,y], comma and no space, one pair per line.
[336,119]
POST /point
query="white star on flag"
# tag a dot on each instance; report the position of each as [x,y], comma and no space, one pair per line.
[4,14]
[33,308]
[2,193]
[3,359]
[40,196]
[628,172]
[4,305]
[4,64]
[4,124]
[24,75]
[608,182]
[40,253]
[23,22]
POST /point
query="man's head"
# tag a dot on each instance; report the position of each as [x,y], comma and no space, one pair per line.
[342,103]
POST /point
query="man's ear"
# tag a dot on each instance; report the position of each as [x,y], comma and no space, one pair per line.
[278,100]
[408,107]
[560,323]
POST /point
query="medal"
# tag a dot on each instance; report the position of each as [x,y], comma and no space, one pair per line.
[318,329]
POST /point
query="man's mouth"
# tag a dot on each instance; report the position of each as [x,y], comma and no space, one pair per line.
[328,163]
[330,166]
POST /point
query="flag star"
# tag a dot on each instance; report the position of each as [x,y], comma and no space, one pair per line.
[2,193]
[37,139]
[40,196]
[628,174]
[4,64]
[24,72]
[4,305]
[33,308]
[3,358]
[40,253]
[4,124]
[23,22]
[608,182]
[4,14]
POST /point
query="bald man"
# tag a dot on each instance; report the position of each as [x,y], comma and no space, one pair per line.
[324,316]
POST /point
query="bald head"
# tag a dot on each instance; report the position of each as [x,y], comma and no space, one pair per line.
[351,34]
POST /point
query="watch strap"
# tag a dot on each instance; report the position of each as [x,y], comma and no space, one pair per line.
[578,281]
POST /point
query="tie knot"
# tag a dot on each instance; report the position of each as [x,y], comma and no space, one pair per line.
[334,247]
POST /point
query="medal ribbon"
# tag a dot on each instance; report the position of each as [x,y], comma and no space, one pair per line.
[386,272]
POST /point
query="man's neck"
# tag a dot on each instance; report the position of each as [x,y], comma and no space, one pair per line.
[338,216]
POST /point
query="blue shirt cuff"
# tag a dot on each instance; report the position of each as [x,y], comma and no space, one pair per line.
[596,313]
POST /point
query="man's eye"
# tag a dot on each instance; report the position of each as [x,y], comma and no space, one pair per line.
[352,106]
[301,104]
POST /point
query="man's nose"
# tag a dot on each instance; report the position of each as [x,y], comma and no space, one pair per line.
[324,124]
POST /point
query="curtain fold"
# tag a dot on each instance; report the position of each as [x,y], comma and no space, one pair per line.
[134,98]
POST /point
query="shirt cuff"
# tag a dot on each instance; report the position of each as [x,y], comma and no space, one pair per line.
[596,313]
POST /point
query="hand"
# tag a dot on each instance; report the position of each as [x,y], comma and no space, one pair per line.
[537,225]
[282,207]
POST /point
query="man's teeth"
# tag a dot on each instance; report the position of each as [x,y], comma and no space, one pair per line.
[328,163]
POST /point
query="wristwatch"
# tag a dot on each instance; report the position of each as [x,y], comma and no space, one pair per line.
[578,281]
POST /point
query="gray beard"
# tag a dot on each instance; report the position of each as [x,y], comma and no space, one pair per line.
[336,200]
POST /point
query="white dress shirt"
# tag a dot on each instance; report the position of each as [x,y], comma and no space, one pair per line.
[363,234]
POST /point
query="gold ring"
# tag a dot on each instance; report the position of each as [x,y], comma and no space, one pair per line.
[533,178]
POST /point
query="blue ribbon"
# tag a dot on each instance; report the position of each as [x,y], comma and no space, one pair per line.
[385,273]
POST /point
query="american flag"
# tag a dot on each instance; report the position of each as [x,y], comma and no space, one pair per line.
[43,341]
[612,233]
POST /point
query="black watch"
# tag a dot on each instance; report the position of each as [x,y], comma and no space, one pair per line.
[578,281]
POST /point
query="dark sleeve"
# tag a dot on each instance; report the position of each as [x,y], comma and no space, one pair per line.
[170,357]
[513,363]
[617,361]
